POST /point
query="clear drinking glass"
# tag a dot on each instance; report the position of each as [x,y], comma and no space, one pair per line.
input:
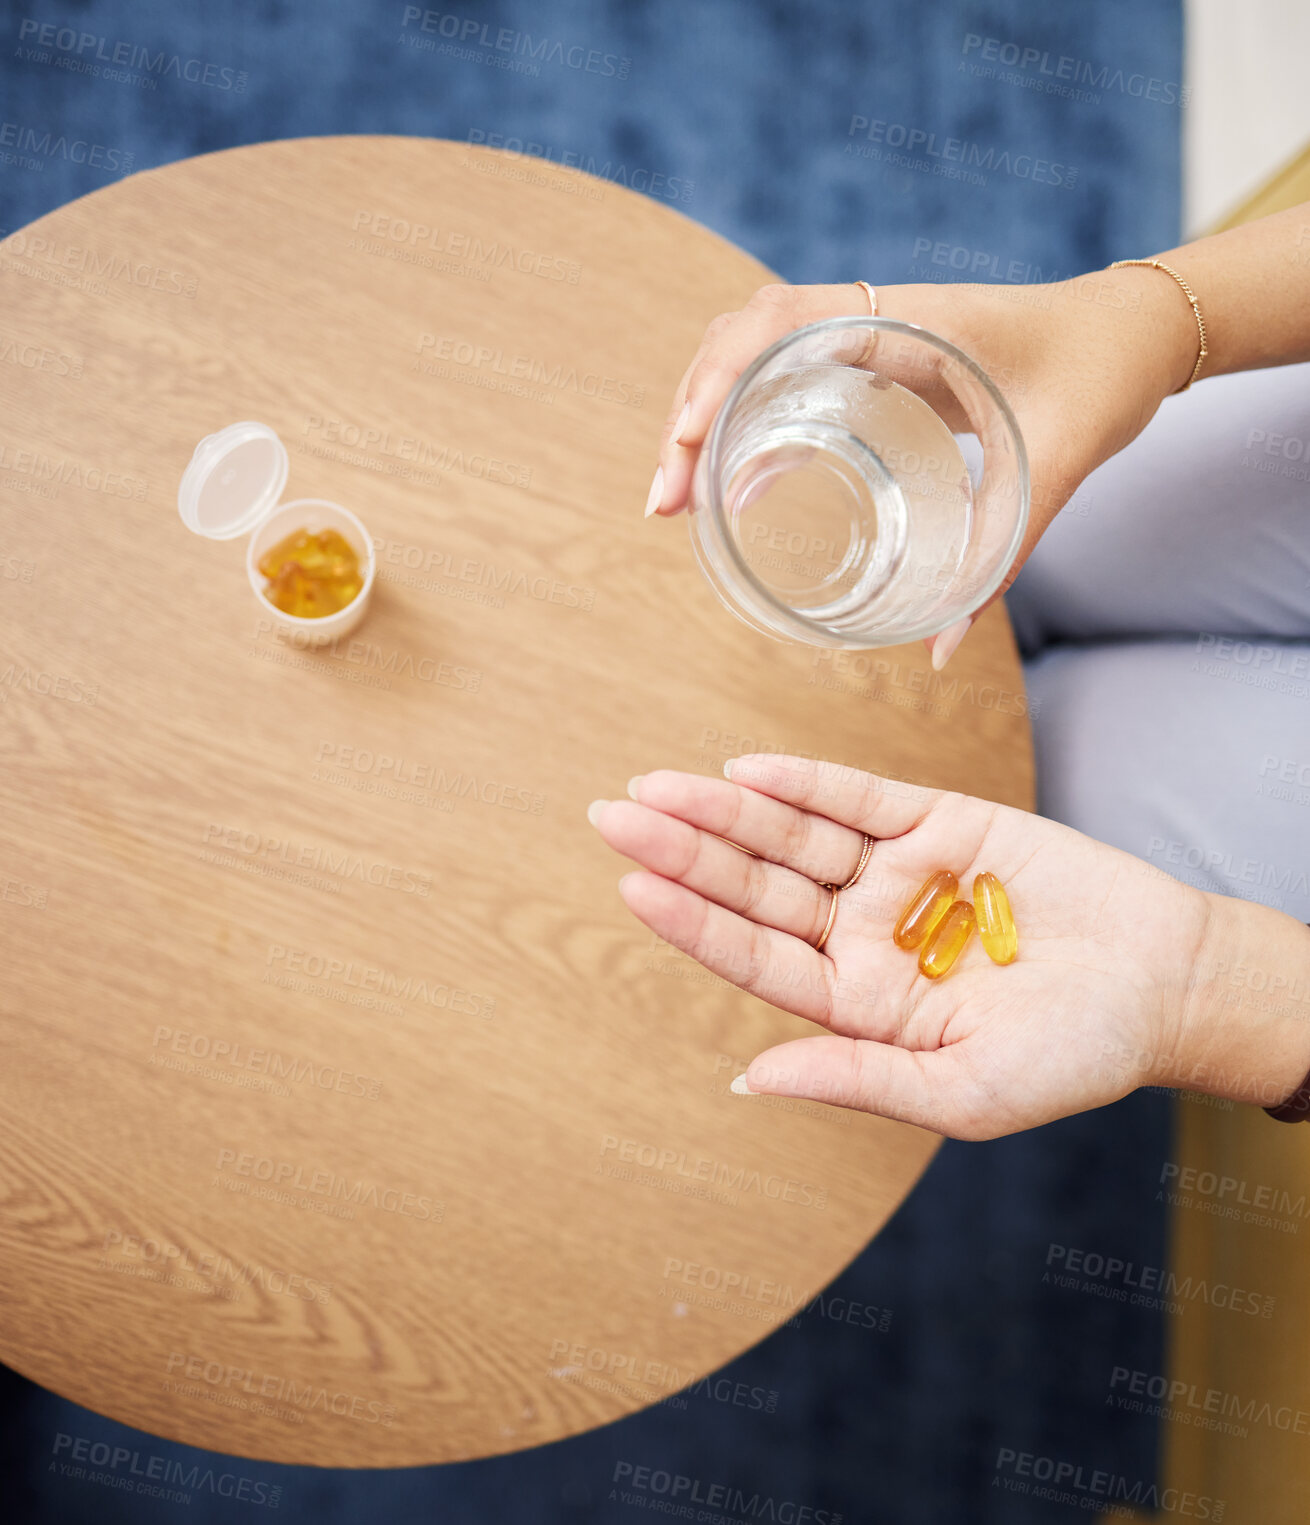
[864,484]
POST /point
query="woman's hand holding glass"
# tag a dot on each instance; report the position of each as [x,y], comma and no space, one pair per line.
[1084,364]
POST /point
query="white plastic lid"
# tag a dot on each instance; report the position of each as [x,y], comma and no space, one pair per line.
[233,482]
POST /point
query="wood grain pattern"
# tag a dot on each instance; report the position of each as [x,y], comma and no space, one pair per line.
[320,1070]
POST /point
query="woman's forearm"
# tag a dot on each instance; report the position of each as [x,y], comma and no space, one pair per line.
[1246,1032]
[1252,285]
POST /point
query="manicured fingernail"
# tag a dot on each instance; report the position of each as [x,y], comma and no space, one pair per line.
[943,648]
[676,437]
[740,1088]
[727,768]
[594,810]
[632,785]
[656,495]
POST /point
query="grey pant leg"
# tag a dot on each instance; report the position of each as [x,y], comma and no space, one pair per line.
[1190,747]
[1195,760]
[1201,524]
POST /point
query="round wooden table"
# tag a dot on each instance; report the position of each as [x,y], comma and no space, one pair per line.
[348,1117]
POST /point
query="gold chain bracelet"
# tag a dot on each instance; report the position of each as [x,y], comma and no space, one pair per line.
[1159,264]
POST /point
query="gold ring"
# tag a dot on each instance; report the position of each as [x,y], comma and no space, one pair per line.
[873,313]
[832,916]
[866,852]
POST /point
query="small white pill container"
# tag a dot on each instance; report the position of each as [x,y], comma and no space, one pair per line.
[232,487]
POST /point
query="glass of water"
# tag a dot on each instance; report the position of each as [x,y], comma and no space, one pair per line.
[864,484]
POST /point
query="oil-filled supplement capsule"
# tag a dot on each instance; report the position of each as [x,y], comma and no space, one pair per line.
[311,575]
[946,941]
[932,900]
[996,928]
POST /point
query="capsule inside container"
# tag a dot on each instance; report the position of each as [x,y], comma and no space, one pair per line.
[312,514]
[232,487]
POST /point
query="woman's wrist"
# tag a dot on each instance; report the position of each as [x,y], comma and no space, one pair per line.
[1162,337]
[1252,284]
[1244,1031]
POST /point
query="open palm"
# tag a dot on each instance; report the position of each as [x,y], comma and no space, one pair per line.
[1106,942]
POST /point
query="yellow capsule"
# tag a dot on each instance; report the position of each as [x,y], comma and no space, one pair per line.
[996,926]
[947,940]
[932,900]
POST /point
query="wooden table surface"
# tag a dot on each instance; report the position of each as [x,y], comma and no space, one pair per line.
[347,1117]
